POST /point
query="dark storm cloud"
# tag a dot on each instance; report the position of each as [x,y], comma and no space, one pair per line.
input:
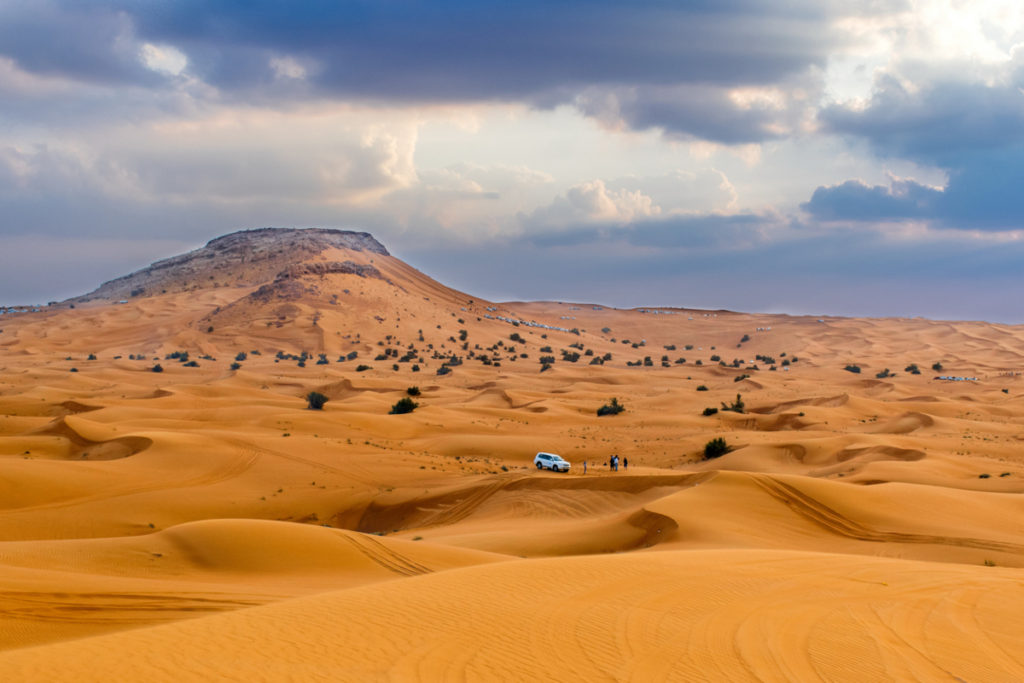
[856,201]
[82,41]
[973,131]
[943,123]
[665,64]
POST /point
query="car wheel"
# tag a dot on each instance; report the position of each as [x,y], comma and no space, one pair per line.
[540,466]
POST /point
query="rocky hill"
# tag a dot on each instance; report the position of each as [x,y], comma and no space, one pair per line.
[248,257]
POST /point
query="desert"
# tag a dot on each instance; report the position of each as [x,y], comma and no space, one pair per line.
[172,506]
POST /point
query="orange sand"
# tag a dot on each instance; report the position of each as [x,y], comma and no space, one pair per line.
[202,523]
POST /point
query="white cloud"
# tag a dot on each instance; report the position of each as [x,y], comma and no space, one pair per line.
[163,58]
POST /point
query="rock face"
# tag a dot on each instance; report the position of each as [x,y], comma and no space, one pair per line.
[248,257]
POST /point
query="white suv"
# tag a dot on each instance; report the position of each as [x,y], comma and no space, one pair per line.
[553,462]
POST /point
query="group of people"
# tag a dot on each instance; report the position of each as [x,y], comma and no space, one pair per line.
[613,464]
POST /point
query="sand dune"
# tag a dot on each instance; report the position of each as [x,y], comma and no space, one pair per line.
[863,525]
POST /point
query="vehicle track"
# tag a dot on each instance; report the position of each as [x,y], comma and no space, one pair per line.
[834,521]
[386,557]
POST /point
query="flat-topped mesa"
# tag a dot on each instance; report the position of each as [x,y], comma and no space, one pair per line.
[244,258]
[310,240]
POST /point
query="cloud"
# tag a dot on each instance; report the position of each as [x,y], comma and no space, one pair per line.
[592,201]
[941,123]
[686,68]
[853,200]
[971,126]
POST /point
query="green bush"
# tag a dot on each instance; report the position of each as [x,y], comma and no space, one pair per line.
[362,368]
[702,388]
[710,411]
[157,368]
[413,391]
[937,366]
[613,408]
[715,448]
[404,405]
[736,406]
[316,400]
[855,369]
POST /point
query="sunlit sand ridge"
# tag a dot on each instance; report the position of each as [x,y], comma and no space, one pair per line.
[203,522]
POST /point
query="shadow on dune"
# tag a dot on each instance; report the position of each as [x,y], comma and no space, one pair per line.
[81,448]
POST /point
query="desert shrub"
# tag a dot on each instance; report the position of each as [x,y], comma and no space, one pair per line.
[157,368]
[92,356]
[413,391]
[612,408]
[702,388]
[648,362]
[444,370]
[192,364]
[316,400]
[937,366]
[236,366]
[547,360]
[415,368]
[984,476]
[545,349]
[606,330]
[362,368]
[715,448]
[699,362]
[912,369]
[736,406]
[404,405]
[241,355]
[73,370]
[463,334]
[545,367]
[670,347]
[710,411]
[516,337]
[570,357]
[740,378]
[883,374]
[855,369]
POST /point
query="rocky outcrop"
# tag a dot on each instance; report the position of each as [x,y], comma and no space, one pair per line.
[246,258]
[329,268]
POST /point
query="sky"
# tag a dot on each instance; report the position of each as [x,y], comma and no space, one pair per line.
[840,157]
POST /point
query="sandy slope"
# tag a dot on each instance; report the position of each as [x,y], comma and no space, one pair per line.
[200,522]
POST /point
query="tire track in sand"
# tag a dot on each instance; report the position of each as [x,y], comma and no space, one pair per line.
[834,521]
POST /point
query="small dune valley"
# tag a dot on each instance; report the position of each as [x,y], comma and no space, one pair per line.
[289,455]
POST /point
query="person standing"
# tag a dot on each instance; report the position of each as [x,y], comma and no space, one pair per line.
[584,467]
[625,463]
